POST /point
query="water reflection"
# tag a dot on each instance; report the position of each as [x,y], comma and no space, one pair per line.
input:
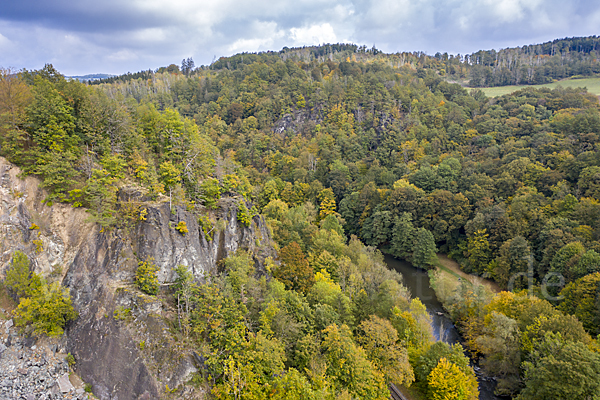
[417,282]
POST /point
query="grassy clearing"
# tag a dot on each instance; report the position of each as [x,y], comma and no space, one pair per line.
[448,271]
[447,276]
[592,85]
[450,266]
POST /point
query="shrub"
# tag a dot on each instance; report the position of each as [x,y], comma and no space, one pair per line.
[45,308]
[182,228]
[121,313]
[18,276]
[244,215]
[146,277]
[211,192]
[70,359]
[47,311]
[207,227]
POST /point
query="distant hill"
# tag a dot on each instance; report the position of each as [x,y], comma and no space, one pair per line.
[90,77]
[536,63]
[533,64]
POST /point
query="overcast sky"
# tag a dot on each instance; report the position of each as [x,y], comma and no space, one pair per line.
[115,36]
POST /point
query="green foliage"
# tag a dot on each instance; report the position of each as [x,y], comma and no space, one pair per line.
[294,270]
[479,251]
[169,175]
[514,257]
[348,366]
[413,325]
[122,313]
[239,267]
[379,339]
[447,381]
[70,359]
[211,191]
[428,358]
[15,96]
[52,129]
[408,161]
[207,227]
[582,299]
[403,236]
[244,215]
[567,257]
[327,205]
[43,308]
[332,223]
[47,310]
[501,345]
[146,277]
[18,277]
[424,251]
[101,198]
[561,369]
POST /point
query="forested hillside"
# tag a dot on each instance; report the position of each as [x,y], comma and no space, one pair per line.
[536,64]
[336,147]
[527,65]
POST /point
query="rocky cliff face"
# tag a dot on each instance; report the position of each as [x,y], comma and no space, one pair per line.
[130,354]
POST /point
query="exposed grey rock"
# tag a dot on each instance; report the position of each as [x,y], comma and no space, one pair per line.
[64,383]
[98,268]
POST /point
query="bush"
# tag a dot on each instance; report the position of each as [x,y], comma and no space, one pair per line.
[146,277]
[45,308]
[47,311]
[121,313]
[207,227]
[211,192]
[70,359]
[182,228]
[18,276]
[244,215]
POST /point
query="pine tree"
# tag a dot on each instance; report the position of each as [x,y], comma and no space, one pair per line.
[403,236]
[424,254]
[479,251]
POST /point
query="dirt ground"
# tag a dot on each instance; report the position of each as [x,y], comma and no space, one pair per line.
[7,305]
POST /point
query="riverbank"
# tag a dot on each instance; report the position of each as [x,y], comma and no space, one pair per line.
[445,280]
[454,270]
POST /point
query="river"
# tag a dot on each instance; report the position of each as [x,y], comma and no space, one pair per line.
[417,282]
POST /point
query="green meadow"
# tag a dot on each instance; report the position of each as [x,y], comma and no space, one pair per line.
[592,85]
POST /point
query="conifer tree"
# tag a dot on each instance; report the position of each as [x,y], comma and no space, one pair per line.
[424,254]
[403,236]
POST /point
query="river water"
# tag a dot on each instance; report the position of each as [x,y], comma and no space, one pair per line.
[417,282]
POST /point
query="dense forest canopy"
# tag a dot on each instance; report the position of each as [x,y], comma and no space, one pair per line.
[344,150]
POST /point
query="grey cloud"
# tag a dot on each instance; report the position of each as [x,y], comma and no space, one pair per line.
[115,36]
[82,15]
